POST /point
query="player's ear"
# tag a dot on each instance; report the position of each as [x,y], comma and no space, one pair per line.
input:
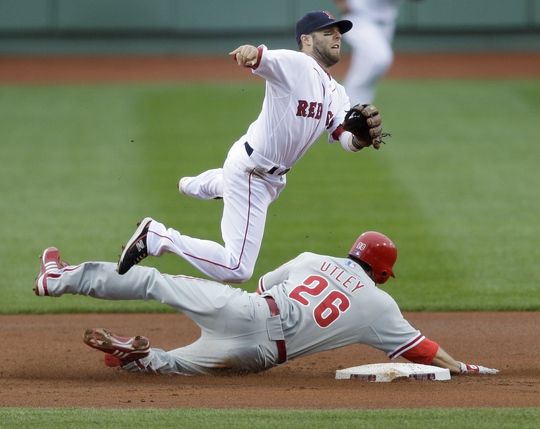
[306,39]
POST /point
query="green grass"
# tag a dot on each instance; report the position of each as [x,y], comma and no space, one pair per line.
[456,186]
[523,418]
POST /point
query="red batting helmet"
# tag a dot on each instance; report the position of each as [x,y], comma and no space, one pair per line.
[378,251]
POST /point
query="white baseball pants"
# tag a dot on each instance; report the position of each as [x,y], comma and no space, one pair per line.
[247,191]
[372,56]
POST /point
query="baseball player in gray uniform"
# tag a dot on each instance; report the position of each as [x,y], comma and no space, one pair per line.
[301,101]
[310,304]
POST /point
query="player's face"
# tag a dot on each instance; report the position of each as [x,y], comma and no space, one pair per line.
[327,45]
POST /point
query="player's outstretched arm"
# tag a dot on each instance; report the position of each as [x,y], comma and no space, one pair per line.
[444,360]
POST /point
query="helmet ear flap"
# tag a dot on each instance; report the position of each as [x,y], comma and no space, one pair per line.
[378,252]
[381,277]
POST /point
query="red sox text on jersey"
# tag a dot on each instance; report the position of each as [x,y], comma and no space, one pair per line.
[313,110]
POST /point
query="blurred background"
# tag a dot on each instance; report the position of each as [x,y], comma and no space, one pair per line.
[209,27]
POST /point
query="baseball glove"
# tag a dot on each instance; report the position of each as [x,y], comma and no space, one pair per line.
[365,123]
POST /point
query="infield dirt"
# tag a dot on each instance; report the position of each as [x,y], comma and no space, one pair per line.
[73,69]
[46,364]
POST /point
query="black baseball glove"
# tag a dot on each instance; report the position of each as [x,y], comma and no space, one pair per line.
[365,123]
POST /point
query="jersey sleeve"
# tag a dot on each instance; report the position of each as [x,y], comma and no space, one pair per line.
[281,67]
[391,332]
[278,276]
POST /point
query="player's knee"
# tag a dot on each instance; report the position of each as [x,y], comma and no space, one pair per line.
[239,275]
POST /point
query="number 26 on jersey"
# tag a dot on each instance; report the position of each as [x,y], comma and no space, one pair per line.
[331,307]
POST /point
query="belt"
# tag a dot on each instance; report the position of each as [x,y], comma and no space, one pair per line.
[276,169]
[274,311]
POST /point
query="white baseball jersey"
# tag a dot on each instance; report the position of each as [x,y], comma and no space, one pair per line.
[301,101]
[327,302]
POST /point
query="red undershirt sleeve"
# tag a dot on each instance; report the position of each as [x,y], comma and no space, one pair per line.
[423,352]
[337,133]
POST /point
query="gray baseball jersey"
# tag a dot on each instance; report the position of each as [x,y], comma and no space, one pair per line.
[324,303]
[327,302]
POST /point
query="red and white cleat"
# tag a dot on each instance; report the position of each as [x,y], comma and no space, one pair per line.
[119,350]
[50,266]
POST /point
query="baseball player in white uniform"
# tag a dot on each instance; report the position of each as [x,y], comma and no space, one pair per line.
[374,24]
[310,304]
[302,100]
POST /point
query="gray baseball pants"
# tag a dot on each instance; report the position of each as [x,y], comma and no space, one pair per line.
[238,333]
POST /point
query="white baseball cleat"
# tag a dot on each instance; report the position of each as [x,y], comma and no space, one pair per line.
[51,265]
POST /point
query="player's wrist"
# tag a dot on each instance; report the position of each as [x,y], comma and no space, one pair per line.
[347,140]
[355,144]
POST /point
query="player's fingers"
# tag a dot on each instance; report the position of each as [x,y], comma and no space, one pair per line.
[238,55]
[375,132]
[374,121]
[484,370]
[245,56]
[369,110]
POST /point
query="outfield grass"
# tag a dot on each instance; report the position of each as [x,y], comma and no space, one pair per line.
[519,418]
[456,186]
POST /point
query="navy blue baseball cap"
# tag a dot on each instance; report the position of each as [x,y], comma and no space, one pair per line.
[317,20]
